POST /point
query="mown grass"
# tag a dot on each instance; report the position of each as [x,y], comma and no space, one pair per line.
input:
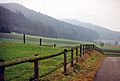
[9,51]
[112,54]
[110,49]
[23,72]
[14,48]
[45,40]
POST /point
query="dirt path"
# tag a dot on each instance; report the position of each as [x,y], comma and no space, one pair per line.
[109,70]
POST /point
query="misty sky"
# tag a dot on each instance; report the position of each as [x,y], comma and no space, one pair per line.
[102,12]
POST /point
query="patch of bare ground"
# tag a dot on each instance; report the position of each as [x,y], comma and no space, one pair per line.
[84,70]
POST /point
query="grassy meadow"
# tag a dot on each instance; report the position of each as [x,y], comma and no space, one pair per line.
[30,39]
[22,72]
[13,48]
[110,49]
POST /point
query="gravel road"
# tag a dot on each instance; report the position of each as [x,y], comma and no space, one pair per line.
[109,70]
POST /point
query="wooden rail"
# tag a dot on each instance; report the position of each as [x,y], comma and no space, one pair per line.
[80,51]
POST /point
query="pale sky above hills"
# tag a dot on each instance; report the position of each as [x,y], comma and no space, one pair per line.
[101,12]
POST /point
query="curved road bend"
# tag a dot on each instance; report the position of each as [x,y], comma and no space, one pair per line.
[109,70]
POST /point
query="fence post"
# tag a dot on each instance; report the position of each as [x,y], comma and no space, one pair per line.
[40,42]
[72,57]
[93,47]
[88,47]
[54,45]
[24,38]
[36,69]
[76,53]
[83,49]
[80,50]
[65,62]
[2,69]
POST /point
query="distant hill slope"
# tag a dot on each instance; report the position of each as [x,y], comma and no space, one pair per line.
[104,33]
[17,22]
[32,22]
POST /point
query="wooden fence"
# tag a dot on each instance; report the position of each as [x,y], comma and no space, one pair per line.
[24,38]
[80,51]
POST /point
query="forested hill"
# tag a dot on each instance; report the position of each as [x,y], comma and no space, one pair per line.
[103,32]
[17,18]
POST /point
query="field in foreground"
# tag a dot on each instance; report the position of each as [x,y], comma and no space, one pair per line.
[23,72]
[14,48]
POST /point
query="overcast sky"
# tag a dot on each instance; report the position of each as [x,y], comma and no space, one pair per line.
[102,12]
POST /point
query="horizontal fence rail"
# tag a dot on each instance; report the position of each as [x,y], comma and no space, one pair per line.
[79,52]
[27,59]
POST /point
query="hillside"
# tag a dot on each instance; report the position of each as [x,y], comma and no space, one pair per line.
[104,33]
[17,22]
[39,24]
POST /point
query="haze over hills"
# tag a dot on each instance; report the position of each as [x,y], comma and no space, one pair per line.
[17,18]
[104,33]
[17,22]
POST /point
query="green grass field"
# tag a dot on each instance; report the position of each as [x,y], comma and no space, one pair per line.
[9,51]
[22,72]
[13,48]
[30,39]
[109,48]
[113,47]
[17,50]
